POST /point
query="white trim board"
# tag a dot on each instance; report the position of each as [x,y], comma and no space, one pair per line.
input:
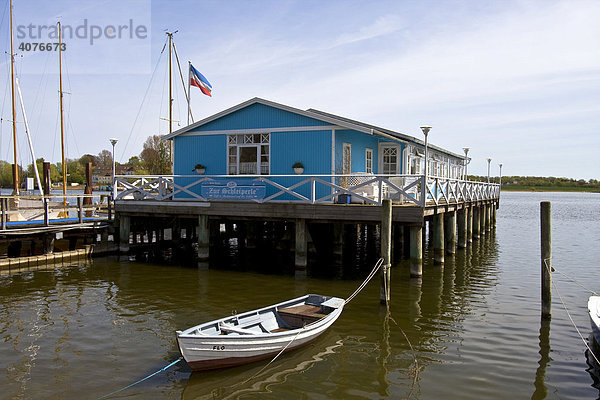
[325,128]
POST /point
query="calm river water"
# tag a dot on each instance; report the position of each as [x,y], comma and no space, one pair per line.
[473,325]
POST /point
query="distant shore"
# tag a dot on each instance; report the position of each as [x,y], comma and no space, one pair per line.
[574,189]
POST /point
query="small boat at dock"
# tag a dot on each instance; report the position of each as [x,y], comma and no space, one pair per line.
[594,310]
[258,334]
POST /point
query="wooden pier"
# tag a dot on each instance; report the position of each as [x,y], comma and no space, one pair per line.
[38,230]
[456,213]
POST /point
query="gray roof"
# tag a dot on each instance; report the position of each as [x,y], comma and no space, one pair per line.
[342,122]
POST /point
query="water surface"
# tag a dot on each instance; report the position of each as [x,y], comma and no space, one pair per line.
[473,325]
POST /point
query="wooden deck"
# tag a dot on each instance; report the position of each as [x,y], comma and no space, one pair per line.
[405,213]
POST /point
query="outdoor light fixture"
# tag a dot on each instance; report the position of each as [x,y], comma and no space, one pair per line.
[500,165]
[425,130]
[489,161]
[466,150]
[113,141]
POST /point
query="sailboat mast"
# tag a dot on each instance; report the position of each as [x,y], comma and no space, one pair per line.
[62,135]
[170,82]
[170,35]
[14,111]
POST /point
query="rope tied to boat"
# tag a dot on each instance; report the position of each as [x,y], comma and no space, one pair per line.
[378,265]
[569,315]
[142,380]
[570,278]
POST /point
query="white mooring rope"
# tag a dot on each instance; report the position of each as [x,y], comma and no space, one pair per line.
[570,317]
[366,281]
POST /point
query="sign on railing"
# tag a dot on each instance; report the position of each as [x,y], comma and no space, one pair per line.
[232,190]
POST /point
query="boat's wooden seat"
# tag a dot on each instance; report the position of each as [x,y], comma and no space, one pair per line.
[235,329]
[301,315]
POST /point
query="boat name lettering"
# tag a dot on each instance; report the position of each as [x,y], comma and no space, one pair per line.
[218,348]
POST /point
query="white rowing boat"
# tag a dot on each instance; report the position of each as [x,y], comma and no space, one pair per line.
[594,310]
[258,334]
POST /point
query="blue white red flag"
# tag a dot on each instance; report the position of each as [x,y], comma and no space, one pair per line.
[198,80]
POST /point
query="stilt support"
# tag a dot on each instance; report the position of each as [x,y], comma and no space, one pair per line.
[301,245]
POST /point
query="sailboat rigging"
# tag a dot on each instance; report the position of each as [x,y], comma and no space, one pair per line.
[14,111]
[15,85]
[62,135]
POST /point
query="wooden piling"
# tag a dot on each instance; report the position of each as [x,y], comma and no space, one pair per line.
[203,242]
[546,258]
[386,250]
[438,238]
[338,247]
[124,230]
[416,251]
[476,225]
[481,220]
[462,227]
[301,244]
[469,225]
[450,232]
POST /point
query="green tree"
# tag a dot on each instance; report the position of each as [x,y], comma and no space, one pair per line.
[156,156]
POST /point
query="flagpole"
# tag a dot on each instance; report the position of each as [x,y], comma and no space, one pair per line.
[189,91]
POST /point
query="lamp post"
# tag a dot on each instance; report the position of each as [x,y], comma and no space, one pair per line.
[489,162]
[425,130]
[466,150]
[113,141]
[500,165]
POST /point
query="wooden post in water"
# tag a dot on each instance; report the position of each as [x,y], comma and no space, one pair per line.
[386,250]
[450,234]
[338,247]
[438,238]
[546,255]
[462,227]
[124,229]
[416,251]
[300,256]
[203,242]
[469,225]
[482,221]
[476,225]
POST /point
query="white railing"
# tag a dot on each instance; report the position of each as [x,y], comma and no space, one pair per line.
[311,189]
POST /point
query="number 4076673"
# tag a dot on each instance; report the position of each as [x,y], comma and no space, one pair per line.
[34,46]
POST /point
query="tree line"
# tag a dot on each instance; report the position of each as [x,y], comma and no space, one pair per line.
[541,181]
[155,158]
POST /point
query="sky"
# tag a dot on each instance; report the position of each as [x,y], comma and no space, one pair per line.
[517,81]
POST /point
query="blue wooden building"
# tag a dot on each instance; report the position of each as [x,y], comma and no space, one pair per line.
[261,141]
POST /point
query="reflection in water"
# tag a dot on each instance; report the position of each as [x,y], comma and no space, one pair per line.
[592,361]
[541,391]
[217,384]
[474,325]
[384,355]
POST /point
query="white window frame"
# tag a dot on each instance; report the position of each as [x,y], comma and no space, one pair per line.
[382,147]
[368,161]
[238,140]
